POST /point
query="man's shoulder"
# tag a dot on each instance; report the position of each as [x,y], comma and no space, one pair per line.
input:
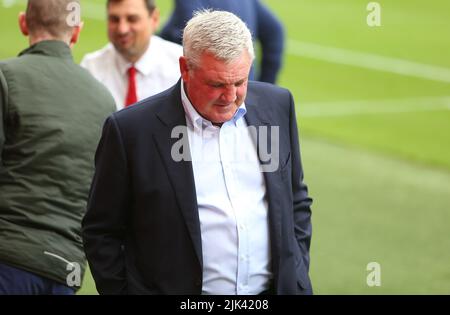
[4,63]
[274,101]
[99,58]
[166,47]
[91,91]
[90,82]
[11,64]
[265,88]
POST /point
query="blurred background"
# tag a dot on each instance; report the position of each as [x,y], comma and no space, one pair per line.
[373,108]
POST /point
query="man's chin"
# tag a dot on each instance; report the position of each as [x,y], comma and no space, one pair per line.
[126,51]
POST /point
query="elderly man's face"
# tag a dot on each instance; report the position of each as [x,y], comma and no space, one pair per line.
[130,26]
[216,89]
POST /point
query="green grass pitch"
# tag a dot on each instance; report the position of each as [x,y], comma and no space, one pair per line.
[373,108]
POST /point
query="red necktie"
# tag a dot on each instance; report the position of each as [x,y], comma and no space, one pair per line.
[131,94]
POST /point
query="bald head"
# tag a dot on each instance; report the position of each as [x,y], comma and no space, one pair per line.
[51,18]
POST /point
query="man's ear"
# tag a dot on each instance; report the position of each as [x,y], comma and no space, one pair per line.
[184,68]
[23,24]
[155,17]
[76,34]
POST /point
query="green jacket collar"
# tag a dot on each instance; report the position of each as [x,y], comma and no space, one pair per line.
[52,48]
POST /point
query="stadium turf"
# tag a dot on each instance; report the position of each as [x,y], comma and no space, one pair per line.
[373,106]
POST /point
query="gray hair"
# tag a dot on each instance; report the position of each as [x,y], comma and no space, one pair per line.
[220,33]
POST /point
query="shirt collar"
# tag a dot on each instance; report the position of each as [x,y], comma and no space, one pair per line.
[146,63]
[196,121]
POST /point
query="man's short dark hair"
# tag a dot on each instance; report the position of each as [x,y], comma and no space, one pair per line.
[49,16]
[150,4]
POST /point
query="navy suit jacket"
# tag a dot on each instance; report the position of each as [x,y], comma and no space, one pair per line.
[141,231]
[264,26]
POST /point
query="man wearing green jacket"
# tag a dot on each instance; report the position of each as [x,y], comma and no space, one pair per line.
[51,113]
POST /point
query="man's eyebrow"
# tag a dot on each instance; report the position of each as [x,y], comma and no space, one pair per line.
[225,83]
[116,15]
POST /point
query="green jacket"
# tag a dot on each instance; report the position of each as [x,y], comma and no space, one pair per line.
[51,115]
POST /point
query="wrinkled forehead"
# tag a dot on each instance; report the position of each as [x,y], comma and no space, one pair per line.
[231,71]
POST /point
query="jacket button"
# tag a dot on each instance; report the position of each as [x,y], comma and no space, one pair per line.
[198,282]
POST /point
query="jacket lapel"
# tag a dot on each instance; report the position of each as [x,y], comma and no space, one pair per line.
[259,118]
[180,172]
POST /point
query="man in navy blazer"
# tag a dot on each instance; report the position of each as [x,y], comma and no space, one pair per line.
[199,190]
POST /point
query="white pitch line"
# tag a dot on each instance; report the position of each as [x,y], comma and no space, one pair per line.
[368,61]
[368,107]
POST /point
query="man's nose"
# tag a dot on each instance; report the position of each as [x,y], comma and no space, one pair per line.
[229,95]
[123,27]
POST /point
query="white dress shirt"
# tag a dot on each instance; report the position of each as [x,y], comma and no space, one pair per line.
[157,70]
[232,205]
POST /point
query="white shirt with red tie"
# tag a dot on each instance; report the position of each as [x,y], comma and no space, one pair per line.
[157,70]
